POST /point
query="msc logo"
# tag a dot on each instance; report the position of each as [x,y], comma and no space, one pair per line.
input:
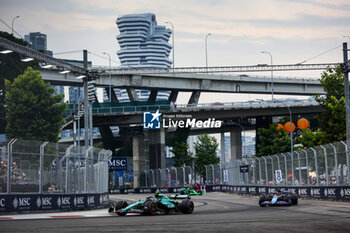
[151,120]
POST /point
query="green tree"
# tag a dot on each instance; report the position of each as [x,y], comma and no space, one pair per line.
[33,112]
[180,147]
[182,156]
[332,120]
[10,67]
[310,139]
[273,141]
[205,148]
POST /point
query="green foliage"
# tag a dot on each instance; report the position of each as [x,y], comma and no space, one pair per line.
[33,112]
[332,81]
[205,148]
[273,141]
[181,135]
[332,120]
[182,156]
[311,139]
[179,147]
[98,145]
[10,67]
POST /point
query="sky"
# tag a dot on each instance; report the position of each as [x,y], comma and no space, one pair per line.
[291,30]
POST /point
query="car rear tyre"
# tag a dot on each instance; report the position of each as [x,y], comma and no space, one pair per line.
[111,206]
[150,208]
[294,199]
[187,206]
[261,200]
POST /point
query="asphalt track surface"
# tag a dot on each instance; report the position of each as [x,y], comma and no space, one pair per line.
[214,212]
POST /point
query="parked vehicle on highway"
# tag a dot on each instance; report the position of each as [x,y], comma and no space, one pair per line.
[286,198]
[157,204]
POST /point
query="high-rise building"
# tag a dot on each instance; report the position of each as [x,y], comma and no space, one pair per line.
[143,44]
[38,41]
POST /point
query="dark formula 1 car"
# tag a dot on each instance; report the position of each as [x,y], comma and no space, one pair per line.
[157,204]
[190,191]
[279,198]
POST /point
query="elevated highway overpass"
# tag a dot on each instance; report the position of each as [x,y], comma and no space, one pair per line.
[189,82]
[133,115]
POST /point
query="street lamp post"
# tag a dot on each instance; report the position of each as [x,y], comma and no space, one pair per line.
[206,50]
[13,20]
[110,78]
[173,35]
[347,104]
[272,88]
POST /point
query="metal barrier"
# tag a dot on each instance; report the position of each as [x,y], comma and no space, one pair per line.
[326,165]
[315,192]
[43,167]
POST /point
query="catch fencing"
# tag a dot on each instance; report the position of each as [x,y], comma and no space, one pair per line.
[325,165]
[50,168]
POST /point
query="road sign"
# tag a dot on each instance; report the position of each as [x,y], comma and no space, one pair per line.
[278,176]
[244,168]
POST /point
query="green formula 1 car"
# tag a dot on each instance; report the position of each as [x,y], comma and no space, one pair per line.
[190,191]
[157,204]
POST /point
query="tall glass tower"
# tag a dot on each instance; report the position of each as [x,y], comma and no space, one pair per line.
[143,43]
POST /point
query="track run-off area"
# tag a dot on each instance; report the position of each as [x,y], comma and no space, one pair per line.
[214,212]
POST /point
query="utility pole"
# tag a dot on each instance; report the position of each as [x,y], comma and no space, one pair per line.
[347,106]
[86,103]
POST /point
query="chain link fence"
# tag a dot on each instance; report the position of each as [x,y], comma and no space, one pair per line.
[319,166]
[322,165]
[43,167]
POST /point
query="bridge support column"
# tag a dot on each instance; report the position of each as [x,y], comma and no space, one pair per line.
[138,149]
[194,97]
[222,142]
[236,143]
[157,148]
[153,95]
[114,97]
[173,96]
[132,94]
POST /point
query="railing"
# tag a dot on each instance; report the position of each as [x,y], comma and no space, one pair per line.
[225,69]
[106,108]
[326,165]
[42,167]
